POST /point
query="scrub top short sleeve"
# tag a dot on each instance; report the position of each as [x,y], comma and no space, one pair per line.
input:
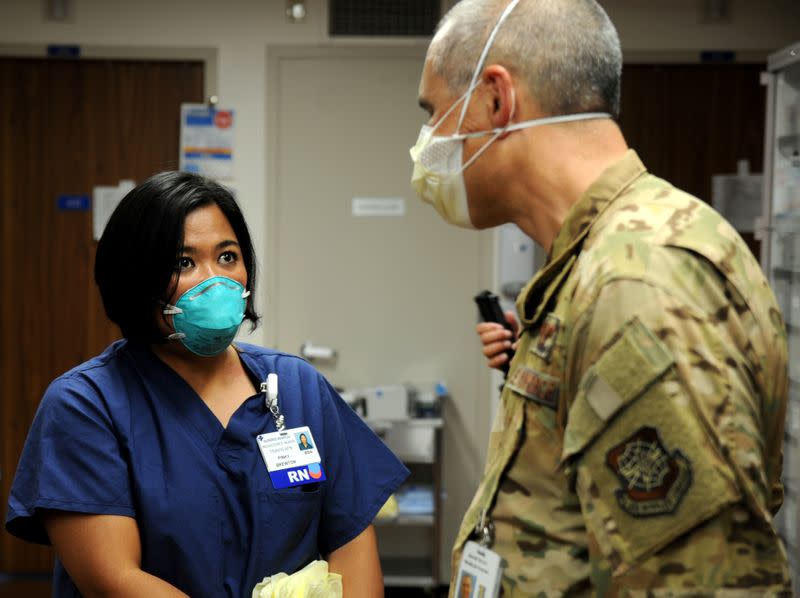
[72,461]
[362,472]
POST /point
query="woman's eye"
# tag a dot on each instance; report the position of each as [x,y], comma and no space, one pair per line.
[228,257]
[184,263]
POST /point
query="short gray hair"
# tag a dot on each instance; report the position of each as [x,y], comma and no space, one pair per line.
[566,51]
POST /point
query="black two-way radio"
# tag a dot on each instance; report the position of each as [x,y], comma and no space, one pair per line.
[490,310]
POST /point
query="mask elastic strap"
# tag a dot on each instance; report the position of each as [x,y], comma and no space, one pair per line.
[476,73]
[245,294]
[553,120]
[451,108]
[171,310]
[497,132]
[528,124]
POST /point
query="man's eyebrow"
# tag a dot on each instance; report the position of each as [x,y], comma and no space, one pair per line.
[425,105]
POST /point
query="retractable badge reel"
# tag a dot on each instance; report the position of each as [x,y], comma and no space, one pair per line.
[481,568]
[291,456]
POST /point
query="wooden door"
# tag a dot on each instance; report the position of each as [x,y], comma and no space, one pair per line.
[689,122]
[65,127]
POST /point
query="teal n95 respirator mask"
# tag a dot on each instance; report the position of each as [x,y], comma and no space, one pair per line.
[438,176]
[207,317]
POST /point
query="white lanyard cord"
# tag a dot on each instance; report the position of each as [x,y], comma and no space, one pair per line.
[270,390]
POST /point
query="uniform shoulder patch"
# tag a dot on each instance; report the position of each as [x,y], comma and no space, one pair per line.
[654,481]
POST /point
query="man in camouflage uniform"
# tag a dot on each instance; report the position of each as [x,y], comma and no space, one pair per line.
[637,447]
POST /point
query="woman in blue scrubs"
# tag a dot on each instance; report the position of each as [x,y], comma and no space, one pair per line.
[153,468]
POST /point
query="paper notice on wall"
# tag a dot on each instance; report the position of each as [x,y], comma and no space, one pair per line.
[105,200]
[378,206]
[207,139]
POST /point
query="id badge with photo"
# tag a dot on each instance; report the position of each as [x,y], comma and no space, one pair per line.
[479,573]
[291,457]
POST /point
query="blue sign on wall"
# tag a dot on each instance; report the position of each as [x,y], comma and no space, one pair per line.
[56,51]
[74,202]
[719,56]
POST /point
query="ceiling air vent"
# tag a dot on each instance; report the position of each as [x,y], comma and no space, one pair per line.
[407,18]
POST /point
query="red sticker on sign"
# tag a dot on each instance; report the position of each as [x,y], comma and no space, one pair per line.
[223,119]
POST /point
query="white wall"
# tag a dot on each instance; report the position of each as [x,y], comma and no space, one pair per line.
[239,32]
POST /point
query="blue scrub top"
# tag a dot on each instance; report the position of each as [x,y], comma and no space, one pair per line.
[123,434]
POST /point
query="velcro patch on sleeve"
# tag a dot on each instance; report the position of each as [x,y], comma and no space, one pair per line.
[627,368]
[634,361]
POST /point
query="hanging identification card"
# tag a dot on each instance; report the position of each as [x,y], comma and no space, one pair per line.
[479,573]
[291,457]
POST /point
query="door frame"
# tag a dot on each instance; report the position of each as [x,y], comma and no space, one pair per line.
[207,55]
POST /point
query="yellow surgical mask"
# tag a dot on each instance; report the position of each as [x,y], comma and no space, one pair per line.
[438,176]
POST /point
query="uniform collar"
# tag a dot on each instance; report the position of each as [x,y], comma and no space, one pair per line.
[169,388]
[580,218]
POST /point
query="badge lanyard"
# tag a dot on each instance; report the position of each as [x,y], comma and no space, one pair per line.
[270,390]
[484,530]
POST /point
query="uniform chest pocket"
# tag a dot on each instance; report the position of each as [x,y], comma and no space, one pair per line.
[306,493]
[290,508]
[288,522]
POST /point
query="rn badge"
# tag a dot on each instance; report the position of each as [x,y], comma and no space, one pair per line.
[653,480]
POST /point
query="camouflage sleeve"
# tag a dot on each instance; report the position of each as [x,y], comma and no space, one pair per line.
[661,412]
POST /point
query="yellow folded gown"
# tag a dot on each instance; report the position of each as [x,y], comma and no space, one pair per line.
[312,581]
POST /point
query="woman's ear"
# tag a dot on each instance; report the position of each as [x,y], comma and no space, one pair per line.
[500,84]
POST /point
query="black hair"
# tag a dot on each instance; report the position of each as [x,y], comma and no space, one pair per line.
[137,253]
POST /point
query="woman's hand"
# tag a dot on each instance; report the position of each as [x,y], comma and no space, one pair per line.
[103,555]
[358,564]
[496,339]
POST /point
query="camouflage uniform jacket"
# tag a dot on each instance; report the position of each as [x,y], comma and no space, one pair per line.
[637,447]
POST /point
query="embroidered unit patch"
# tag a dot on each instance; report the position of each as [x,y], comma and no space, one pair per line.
[543,347]
[535,385]
[653,480]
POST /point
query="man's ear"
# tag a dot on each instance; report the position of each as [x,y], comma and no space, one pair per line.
[501,87]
